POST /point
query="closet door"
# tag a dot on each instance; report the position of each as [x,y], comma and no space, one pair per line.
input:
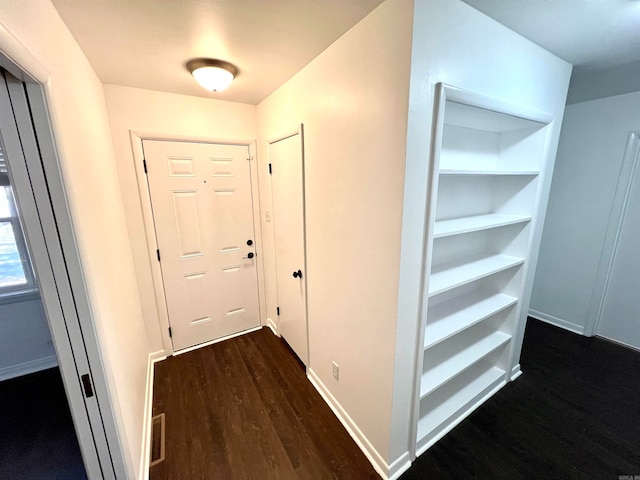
[620,317]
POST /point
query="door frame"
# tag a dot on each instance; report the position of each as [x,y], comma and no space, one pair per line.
[630,164]
[33,158]
[136,137]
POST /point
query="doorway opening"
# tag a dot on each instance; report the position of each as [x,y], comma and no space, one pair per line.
[42,263]
[38,437]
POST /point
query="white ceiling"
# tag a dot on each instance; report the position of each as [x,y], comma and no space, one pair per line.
[590,34]
[146,43]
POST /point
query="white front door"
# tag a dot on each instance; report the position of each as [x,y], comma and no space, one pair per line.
[203,215]
[286,158]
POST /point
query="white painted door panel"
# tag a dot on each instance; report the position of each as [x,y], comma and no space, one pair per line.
[202,210]
[620,317]
[286,157]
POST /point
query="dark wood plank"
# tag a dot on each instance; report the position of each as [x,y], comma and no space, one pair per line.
[244,409]
[574,414]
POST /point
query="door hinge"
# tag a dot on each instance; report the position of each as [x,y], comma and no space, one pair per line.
[250,157]
[170,333]
[278,310]
[86,384]
[270,171]
[144,164]
[158,254]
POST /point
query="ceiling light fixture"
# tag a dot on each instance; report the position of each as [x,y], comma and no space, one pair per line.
[214,75]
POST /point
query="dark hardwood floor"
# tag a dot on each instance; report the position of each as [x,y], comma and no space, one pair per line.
[574,414]
[244,409]
[37,438]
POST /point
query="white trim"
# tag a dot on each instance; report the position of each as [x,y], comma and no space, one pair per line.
[399,466]
[618,342]
[558,322]
[217,340]
[515,372]
[148,413]
[350,425]
[272,325]
[144,195]
[612,236]
[25,368]
[20,62]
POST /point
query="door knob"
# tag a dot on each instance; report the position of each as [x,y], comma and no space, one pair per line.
[297,274]
[249,255]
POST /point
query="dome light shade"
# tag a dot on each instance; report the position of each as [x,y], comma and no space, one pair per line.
[214,75]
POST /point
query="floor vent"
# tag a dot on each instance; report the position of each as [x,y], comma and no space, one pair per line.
[157,439]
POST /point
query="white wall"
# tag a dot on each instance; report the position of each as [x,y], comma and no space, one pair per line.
[82,134]
[171,115]
[353,101]
[592,145]
[457,45]
[591,85]
[25,340]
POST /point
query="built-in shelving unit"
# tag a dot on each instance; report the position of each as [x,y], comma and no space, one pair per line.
[487,165]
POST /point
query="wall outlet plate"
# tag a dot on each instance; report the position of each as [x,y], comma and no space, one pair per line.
[336,370]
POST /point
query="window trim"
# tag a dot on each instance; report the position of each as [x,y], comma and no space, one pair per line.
[29,288]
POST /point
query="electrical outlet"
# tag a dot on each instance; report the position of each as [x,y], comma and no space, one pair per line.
[336,370]
[267,215]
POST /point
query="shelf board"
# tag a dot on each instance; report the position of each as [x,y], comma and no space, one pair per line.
[459,313]
[461,358]
[466,393]
[457,226]
[489,172]
[454,274]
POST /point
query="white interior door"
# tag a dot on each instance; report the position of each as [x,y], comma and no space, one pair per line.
[620,316]
[203,215]
[287,181]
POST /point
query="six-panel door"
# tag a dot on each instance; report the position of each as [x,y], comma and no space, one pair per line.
[202,209]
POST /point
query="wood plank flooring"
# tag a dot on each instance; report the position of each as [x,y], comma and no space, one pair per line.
[244,409]
[574,414]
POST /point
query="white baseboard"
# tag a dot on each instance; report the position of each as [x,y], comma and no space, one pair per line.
[558,322]
[515,372]
[26,368]
[399,466]
[148,413]
[272,325]
[361,440]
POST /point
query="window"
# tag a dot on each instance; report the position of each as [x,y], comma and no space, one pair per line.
[16,274]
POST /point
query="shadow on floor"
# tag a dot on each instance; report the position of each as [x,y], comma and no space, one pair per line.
[37,438]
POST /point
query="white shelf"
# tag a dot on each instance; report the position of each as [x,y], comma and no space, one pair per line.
[464,394]
[459,357]
[459,313]
[462,115]
[454,274]
[457,226]
[490,172]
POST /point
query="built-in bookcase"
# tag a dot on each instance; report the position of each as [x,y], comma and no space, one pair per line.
[486,161]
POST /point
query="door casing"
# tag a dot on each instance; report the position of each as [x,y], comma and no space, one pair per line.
[38,186]
[137,137]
